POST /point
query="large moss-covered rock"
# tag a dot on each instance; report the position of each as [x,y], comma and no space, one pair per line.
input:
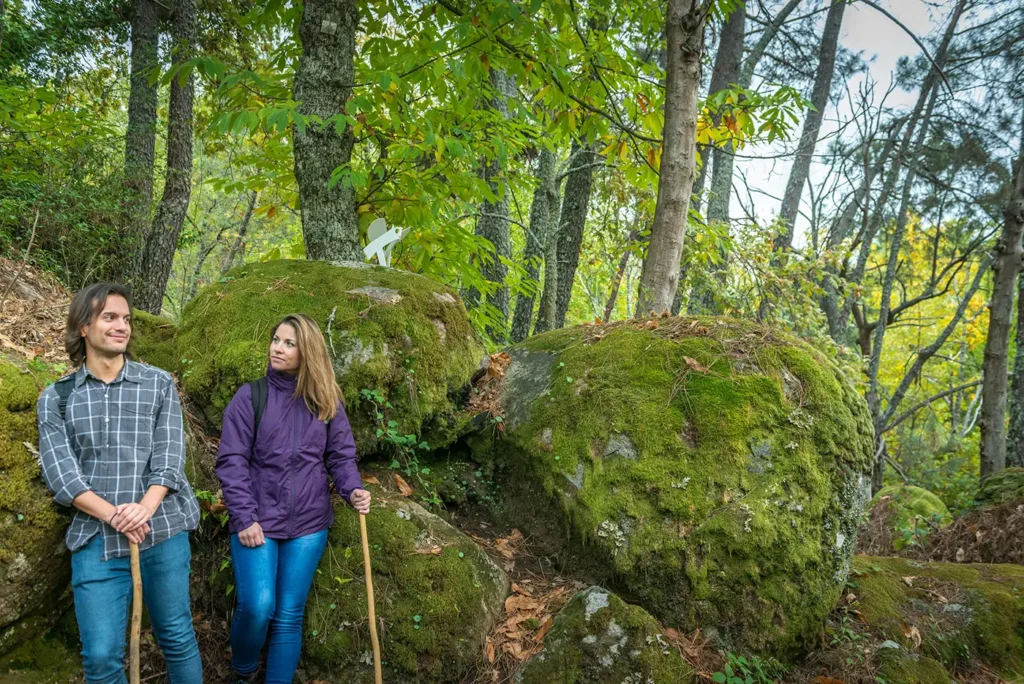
[716,470]
[35,565]
[939,617]
[598,638]
[397,333]
[437,596]
[1002,487]
[912,513]
[153,340]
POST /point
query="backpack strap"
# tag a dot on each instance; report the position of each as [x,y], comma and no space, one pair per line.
[63,388]
[259,403]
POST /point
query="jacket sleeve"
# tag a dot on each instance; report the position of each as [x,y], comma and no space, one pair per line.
[167,464]
[61,469]
[233,458]
[341,455]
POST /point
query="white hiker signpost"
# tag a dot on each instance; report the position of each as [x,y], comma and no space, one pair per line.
[381,240]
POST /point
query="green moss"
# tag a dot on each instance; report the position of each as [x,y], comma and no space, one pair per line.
[435,608]
[917,512]
[900,667]
[417,352]
[153,340]
[599,638]
[1002,487]
[49,659]
[31,525]
[717,467]
[963,613]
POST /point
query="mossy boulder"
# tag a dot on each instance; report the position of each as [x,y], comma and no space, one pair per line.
[402,335]
[599,638]
[939,617]
[35,568]
[153,340]
[912,513]
[715,470]
[437,596]
[1002,487]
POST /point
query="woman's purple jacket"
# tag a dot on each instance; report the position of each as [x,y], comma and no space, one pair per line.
[281,481]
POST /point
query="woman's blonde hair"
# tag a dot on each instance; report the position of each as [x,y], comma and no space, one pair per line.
[316,383]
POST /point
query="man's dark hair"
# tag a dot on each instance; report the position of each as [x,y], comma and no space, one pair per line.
[85,306]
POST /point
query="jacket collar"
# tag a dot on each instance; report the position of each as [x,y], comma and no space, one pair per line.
[285,382]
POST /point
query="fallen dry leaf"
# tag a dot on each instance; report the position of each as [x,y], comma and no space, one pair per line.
[851,597]
[913,634]
[489,650]
[695,364]
[543,631]
[431,550]
[370,479]
[909,581]
[402,485]
[516,603]
[822,679]
[519,590]
[960,555]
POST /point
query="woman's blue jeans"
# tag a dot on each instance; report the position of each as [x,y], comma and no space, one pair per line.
[272,582]
[103,591]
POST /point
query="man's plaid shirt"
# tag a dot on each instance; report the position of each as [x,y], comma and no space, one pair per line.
[117,440]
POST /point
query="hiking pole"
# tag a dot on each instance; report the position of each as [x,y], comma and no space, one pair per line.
[369,600]
[133,653]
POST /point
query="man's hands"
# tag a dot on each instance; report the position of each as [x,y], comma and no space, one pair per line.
[132,520]
[360,500]
[252,536]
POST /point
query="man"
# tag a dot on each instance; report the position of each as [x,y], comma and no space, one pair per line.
[112,446]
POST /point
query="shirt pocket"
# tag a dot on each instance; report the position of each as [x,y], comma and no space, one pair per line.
[136,428]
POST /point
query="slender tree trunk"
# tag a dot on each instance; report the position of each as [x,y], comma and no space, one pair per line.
[1015,434]
[724,73]
[323,83]
[545,196]
[812,124]
[139,142]
[547,316]
[572,223]
[493,222]
[170,213]
[237,245]
[659,278]
[609,307]
[1005,268]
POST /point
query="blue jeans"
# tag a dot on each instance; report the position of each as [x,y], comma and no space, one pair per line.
[103,591]
[272,582]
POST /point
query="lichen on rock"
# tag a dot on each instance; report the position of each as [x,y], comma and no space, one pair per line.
[715,469]
[439,591]
[600,639]
[383,328]
[35,565]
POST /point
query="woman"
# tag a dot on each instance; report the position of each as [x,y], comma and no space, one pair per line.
[275,490]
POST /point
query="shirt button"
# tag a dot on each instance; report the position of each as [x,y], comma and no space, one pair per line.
[107,420]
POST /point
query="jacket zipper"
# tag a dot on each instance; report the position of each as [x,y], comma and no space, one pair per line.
[291,473]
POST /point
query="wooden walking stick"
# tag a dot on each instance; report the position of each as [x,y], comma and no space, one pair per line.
[133,652]
[369,600]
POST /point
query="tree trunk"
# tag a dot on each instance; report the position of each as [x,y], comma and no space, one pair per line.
[659,278]
[237,245]
[617,281]
[1005,268]
[724,73]
[493,223]
[139,142]
[545,196]
[323,83]
[812,125]
[573,221]
[547,316]
[170,213]
[1015,435]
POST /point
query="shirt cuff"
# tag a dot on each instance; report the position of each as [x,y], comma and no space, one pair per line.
[163,481]
[72,490]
